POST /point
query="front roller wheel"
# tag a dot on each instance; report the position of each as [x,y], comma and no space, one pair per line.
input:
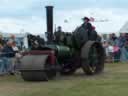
[44,74]
[93,58]
[34,75]
[38,75]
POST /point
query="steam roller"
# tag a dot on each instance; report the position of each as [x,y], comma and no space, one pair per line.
[43,61]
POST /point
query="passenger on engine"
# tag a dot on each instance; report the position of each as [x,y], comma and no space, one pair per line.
[93,34]
[59,35]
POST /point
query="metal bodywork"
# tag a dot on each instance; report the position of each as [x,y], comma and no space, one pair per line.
[62,59]
[33,62]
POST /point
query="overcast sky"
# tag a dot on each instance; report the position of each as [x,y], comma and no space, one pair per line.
[29,15]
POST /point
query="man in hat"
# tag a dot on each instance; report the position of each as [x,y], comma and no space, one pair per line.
[12,38]
[59,35]
[87,25]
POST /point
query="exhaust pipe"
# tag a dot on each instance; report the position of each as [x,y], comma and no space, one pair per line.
[49,22]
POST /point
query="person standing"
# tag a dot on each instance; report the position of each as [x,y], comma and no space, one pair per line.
[8,53]
[12,37]
[116,53]
[113,39]
[2,41]
[14,59]
[109,51]
[2,63]
[122,40]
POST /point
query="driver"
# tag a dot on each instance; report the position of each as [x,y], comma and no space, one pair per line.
[87,25]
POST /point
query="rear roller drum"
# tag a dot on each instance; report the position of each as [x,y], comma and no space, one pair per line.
[93,58]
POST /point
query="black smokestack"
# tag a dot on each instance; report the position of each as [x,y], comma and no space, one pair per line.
[49,15]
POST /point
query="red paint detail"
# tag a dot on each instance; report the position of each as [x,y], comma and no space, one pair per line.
[92,19]
[50,53]
[52,57]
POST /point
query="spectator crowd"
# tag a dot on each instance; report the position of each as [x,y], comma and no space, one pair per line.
[116,48]
[8,54]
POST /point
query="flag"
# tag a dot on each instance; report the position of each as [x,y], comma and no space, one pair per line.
[92,19]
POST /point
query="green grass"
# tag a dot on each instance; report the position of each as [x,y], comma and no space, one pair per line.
[112,82]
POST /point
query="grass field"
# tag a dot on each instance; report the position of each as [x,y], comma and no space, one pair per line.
[112,82]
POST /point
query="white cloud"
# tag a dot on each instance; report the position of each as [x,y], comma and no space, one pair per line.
[37,24]
[115,20]
[33,25]
[17,15]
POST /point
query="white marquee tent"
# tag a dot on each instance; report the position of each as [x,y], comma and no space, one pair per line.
[124,28]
